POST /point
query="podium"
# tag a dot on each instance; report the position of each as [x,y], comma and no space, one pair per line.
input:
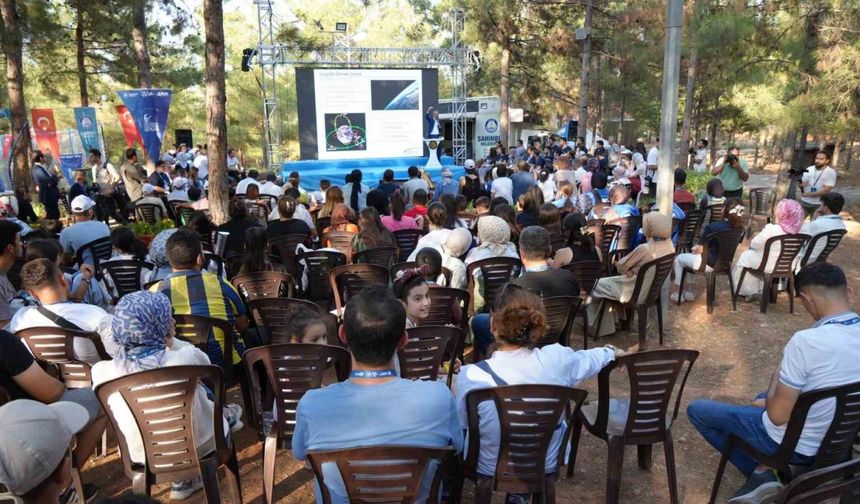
[433,146]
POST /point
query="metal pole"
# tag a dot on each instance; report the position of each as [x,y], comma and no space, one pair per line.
[669,105]
[581,130]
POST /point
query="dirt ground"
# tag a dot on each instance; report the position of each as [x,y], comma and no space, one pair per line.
[739,351]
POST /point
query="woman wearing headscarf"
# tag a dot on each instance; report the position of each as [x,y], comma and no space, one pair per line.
[789,219]
[143,329]
[158,256]
[455,246]
[658,229]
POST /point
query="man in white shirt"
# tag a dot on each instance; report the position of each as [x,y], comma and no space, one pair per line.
[409,187]
[700,160]
[825,219]
[653,159]
[820,178]
[823,356]
[242,186]
[201,162]
[45,282]
[270,187]
[502,186]
[107,178]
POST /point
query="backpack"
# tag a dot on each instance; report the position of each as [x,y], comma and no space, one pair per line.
[472,189]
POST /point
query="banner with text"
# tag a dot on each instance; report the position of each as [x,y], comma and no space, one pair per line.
[70,163]
[46,131]
[88,128]
[128,127]
[149,109]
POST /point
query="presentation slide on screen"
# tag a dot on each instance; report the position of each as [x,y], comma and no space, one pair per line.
[368,113]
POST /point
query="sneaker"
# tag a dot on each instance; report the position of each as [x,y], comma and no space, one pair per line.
[71,496]
[182,490]
[675,296]
[234,417]
[689,296]
[760,488]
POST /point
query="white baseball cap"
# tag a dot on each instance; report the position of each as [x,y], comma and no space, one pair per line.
[82,203]
[469,164]
[179,182]
[34,439]
[148,188]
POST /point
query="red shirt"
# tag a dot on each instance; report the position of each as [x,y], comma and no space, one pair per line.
[684,196]
[416,211]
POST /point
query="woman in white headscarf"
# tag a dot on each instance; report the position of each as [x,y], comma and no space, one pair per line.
[455,246]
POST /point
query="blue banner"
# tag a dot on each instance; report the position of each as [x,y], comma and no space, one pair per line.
[5,113]
[149,109]
[69,163]
[88,127]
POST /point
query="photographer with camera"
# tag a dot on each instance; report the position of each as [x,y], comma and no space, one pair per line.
[700,155]
[733,172]
[818,180]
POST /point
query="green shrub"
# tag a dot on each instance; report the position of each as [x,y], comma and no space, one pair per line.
[144,229]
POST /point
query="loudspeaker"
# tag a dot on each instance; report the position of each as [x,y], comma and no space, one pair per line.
[572,128]
[184,136]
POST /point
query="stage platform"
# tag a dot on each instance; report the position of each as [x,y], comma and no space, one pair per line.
[311,172]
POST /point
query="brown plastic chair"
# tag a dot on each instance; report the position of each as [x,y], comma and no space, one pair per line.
[837,483]
[340,241]
[835,447]
[715,212]
[789,247]
[762,201]
[149,213]
[397,268]
[428,348]
[643,298]
[383,256]
[101,249]
[727,242]
[447,306]
[831,240]
[495,272]
[347,281]
[690,229]
[604,235]
[55,345]
[257,211]
[407,240]
[125,275]
[528,418]
[642,419]
[557,240]
[161,401]
[274,315]
[290,371]
[284,246]
[264,284]
[318,264]
[382,473]
[182,213]
[196,330]
[627,233]
[321,224]
[560,312]
[586,273]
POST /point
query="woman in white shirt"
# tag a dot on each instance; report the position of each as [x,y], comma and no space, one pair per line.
[143,329]
[517,322]
[437,216]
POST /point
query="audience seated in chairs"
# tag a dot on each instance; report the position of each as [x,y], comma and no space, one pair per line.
[83,286]
[286,223]
[397,220]
[44,280]
[195,292]
[126,247]
[518,321]
[789,219]
[580,246]
[437,217]
[150,197]
[734,218]
[342,218]
[454,248]
[368,408]
[256,256]
[822,356]
[85,230]
[238,224]
[825,219]
[143,328]
[10,251]
[657,229]
[372,233]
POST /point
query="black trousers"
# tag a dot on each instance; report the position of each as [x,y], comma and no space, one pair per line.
[52,209]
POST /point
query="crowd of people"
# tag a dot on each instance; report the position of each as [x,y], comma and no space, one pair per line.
[532,204]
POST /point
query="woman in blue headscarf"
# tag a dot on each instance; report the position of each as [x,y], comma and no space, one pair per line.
[143,329]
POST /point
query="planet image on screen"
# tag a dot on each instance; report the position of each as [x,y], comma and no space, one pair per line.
[346,132]
[406,100]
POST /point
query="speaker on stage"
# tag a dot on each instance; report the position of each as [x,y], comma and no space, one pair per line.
[184,136]
[572,128]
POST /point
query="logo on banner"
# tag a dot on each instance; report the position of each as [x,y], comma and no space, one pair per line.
[45,131]
[491,126]
[85,117]
[148,109]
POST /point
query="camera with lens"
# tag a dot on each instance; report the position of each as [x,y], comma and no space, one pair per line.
[692,151]
[731,159]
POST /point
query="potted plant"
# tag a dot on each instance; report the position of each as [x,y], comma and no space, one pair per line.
[146,232]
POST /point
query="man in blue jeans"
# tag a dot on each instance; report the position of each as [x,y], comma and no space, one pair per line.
[822,356]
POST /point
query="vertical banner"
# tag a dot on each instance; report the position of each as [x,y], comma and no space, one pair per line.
[149,108]
[128,127]
[46,131]
[69,163]
[88,129]
[7,145]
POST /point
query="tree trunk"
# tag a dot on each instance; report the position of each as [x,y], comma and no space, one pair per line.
[755,157]
[216,114]
[801,150]
[621,137]
[849,152]
[689,93]
[582,130]
[12,49]
[598,118]
[79,41]
[504,93]
[837,151]
[783,186]
[712,141]
[138,37]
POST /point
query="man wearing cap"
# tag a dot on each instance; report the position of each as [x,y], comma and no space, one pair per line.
[35,442]
[446,185]
[150,198]
[85,230]
[179,190]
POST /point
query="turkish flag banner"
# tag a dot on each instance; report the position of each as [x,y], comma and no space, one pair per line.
[7,144]
[46,131]
[129,129]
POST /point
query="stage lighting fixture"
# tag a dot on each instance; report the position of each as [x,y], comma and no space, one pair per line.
[247,54]
[341,27]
